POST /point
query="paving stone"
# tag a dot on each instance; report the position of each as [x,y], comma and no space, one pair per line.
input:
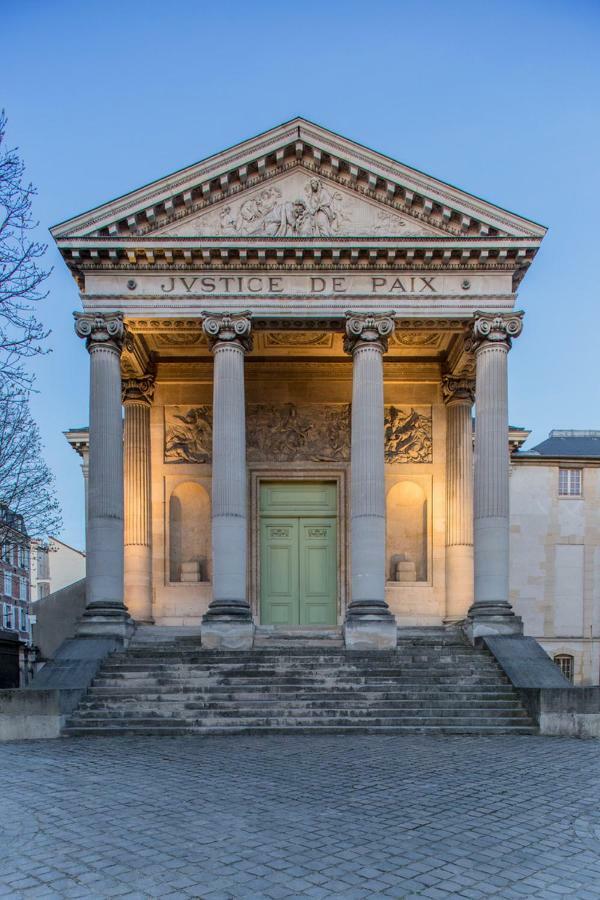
[278,816]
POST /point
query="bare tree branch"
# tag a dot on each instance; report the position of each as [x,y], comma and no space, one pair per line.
[26,483]
[21,274]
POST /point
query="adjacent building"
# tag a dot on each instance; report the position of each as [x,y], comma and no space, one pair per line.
[54,565]
[15,626]
[555,548]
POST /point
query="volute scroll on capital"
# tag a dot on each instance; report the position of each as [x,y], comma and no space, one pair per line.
[365,328]
[228,328]
[494,328]
[138,389]
[101,329]
[458,389]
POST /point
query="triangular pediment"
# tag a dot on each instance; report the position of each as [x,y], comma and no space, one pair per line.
[262,187]
[298,204]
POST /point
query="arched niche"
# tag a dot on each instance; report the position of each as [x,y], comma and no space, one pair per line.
[406,533]
[189,533]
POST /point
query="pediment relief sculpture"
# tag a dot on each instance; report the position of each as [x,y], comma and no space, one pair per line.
[299,206]
[290,432]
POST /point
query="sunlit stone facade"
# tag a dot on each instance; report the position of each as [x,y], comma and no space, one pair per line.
[300,327]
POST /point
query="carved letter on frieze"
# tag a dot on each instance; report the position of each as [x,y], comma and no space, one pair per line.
[408,435]
[188,434]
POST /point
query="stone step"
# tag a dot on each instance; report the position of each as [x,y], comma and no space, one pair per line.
[326,663]
[475,724]
[429,683]
[245,697]
[170,731]
[194,712]
[208,701]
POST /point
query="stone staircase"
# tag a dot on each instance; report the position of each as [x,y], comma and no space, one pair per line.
[434,682]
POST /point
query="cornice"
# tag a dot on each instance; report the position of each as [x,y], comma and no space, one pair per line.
[299,143]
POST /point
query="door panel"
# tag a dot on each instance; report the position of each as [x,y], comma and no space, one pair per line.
[298,553]
[317,571]
[279,572]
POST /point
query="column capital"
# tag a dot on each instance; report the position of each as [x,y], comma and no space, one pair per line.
[369,329]
[138,389]
[101,328]
[228,328]
[458,389]
[494,328]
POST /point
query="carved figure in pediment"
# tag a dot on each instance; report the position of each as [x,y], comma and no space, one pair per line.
[408,436]
[285,218]
[188,435]
[321,217]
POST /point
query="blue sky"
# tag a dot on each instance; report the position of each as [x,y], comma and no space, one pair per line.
[498,98]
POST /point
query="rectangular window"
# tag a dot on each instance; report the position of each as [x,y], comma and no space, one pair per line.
[565,661]
[23,620]
[6,553]
[569,482]
[23,589]
[8,584]
[8,616]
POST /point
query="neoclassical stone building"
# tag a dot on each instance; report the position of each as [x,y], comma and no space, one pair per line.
[297,329]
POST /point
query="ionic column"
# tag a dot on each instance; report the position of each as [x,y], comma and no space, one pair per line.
[137,398]
[491,338]
[228,621]
[458,395]
[106,613]
[369,623]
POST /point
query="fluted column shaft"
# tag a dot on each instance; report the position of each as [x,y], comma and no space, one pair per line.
[366,340]
[491,342]
[137,394]
[230,338]
[105,611]
[458,395]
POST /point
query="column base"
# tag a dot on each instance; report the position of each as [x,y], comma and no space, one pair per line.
[370,628]
[233,633]
[106,620]
[491,621]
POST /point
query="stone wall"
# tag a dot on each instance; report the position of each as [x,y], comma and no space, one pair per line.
[555,564]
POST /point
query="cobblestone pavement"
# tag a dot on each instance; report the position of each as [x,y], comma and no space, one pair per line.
[300,816]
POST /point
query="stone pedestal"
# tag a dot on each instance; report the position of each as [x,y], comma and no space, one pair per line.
[137,397]
[105,613]
[491,339]
[369,623]
[459,395]
[228,622]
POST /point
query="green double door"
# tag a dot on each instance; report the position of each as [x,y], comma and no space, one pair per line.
[298,553]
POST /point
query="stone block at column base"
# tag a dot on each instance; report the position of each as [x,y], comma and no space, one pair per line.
[371,633]
[223,634]
[476,627]
[106,621]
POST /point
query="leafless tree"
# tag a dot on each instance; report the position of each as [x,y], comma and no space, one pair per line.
[22,277]
[26,482]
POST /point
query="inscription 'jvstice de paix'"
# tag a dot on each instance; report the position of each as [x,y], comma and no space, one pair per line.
[313,284]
